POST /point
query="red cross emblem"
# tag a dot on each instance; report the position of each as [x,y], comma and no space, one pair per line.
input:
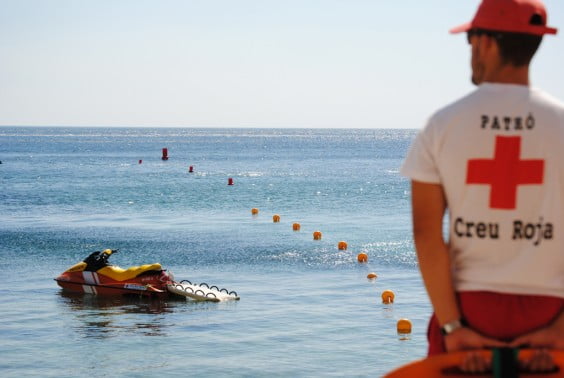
[505,172]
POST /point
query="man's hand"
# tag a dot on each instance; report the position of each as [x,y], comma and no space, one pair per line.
[550,337]
[465,338]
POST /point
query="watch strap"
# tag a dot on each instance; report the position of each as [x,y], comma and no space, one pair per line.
[452,326]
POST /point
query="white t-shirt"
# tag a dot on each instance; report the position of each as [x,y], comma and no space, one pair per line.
[499,155]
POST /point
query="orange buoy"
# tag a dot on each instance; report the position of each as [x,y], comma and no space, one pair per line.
[296,227]
[362,257]
[276,218]
[343,245]
[404,326]
[388,296]
[371,276]
[317,235]
[229,181]
[165,154]
[254,211]
[191,169]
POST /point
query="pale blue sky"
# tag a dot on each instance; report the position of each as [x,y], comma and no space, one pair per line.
[241,63]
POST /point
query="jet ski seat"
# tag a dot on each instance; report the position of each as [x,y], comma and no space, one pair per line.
[120,274]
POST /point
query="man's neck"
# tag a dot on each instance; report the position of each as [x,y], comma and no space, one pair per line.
[509,74]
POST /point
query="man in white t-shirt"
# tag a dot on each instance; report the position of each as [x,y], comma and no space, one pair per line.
[495,160]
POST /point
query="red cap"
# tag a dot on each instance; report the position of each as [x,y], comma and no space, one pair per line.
[514,16]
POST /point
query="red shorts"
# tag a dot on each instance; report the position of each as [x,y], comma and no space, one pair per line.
[499,316]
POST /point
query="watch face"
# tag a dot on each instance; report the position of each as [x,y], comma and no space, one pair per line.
[450,327]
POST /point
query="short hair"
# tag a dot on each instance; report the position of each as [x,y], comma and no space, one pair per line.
[517,49]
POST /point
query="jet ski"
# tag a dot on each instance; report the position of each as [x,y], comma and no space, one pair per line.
[94,275]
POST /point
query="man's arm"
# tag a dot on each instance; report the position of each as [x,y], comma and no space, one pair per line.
[428,207]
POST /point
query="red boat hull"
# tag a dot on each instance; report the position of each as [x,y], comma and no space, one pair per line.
[150,284]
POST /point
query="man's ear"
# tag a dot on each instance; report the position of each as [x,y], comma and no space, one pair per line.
[490,45]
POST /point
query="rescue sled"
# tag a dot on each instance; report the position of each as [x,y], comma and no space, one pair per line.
[505,363]
[94,275]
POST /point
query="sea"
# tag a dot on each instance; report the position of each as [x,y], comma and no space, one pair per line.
[306,308]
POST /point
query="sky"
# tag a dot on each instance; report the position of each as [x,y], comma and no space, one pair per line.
[242,63]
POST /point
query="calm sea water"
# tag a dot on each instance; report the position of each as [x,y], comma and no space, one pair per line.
[306,308]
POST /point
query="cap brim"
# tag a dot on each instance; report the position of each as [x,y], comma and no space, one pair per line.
[536,30]
[461,28]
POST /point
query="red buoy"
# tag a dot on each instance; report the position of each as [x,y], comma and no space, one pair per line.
[165,154]
[140,161]
[230,181]
[191,169]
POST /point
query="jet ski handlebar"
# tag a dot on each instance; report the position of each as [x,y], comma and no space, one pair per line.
[97,260]
[109,252]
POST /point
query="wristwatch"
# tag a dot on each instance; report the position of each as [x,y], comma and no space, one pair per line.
[452,326]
